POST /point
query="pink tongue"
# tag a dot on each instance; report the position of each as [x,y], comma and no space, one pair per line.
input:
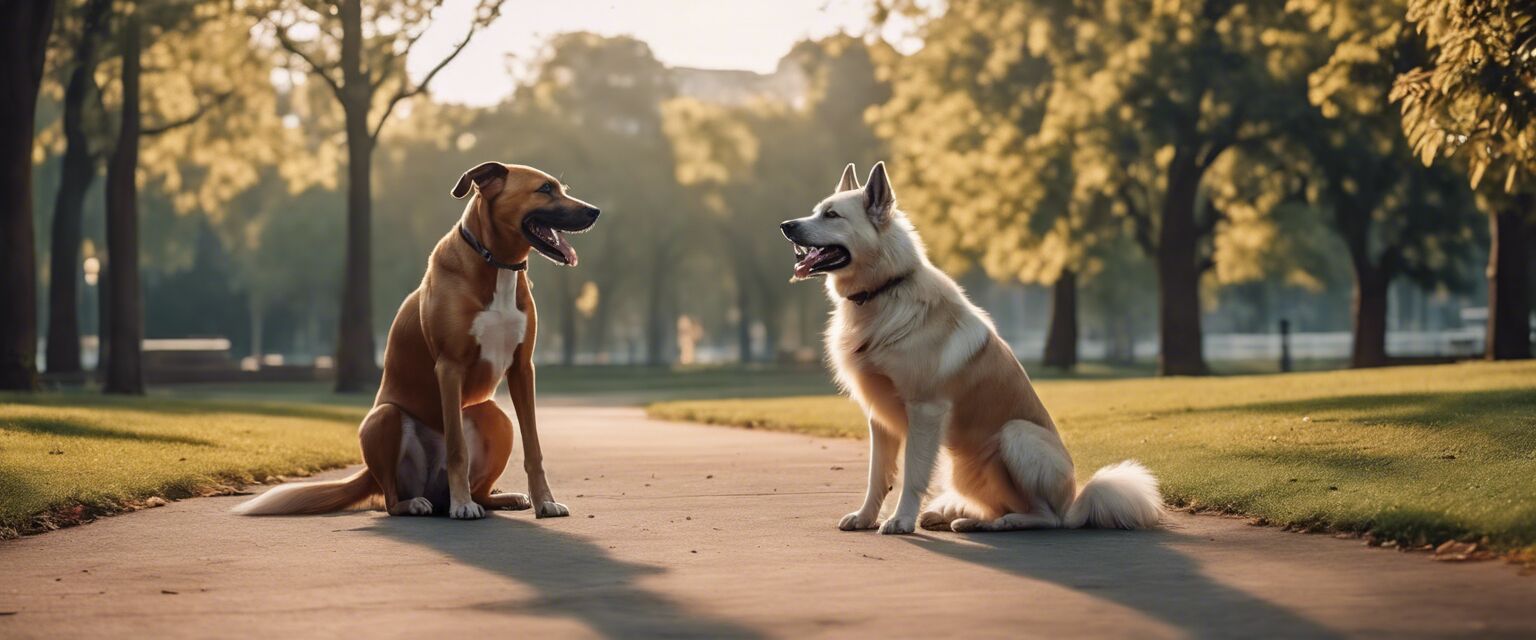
[566,249]
[804,266]
[558,242]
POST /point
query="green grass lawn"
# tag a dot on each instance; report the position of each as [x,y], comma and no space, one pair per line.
[1413,454]
[68,457]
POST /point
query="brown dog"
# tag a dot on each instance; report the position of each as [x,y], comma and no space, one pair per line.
[435,440]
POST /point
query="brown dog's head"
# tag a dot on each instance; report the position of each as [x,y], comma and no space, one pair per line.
[531,201]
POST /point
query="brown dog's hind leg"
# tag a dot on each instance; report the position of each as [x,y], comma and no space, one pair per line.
[380,438]
[494,429]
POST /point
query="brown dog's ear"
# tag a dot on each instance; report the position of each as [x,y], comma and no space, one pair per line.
[849,181]
[488,178]
[879,198]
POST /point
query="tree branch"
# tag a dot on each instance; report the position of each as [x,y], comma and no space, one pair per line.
[201,111]
[403,92]
[1214,216]
[314,67]
[1141,223]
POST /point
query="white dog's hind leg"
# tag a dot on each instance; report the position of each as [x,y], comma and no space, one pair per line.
[1040,517]
[947,507]
[1041,469]
[925,430]
[1039,465]
[883,446]
[1009,522]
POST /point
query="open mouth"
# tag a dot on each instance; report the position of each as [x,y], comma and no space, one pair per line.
[810,261]
[547,235]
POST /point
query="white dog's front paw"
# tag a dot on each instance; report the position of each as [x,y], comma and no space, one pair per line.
[418,507]
[898,525]
[551,509]
[466,511]
[856,521]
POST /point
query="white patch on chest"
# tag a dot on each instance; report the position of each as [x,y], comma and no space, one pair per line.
[501,327]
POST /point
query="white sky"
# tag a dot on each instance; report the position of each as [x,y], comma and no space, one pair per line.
[714,34]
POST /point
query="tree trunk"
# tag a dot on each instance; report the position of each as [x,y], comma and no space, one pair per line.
[1061,338]
[744,322]
[656,321]
[600,327]
[124,367]
[1370,318]
[1509,264]
[24,28]
[1180,348]
[257,317]
[570,319]
[356,368]
[78,172]
[772,333]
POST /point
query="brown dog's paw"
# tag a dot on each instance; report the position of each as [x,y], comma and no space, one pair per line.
[552,509]
[466,511]
[508,501]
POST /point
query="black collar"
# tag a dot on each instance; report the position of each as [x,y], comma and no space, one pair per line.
[486,253]
[865,296]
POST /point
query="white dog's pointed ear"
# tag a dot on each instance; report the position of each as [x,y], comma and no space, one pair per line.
[879,198]
[849,181]
[488,178]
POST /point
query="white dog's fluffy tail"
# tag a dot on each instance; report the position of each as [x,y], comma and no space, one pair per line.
[1123,495]
[310,497]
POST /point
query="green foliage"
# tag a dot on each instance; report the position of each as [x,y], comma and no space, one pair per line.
[747,167]
[1351,159]
[1472,99]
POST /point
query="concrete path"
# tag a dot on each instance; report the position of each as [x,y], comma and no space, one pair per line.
[681,530]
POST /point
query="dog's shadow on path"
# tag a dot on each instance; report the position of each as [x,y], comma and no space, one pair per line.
[1141,570]
[573,577]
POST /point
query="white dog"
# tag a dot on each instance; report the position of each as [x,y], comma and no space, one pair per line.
[930,370]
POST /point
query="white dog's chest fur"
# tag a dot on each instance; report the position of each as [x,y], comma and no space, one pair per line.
[917,346]
[501,327]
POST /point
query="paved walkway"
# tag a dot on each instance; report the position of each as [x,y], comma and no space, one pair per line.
[681,530]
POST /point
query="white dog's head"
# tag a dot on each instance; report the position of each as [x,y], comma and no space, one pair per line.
[856,233]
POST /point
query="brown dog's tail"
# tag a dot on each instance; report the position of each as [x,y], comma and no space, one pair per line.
[311,497]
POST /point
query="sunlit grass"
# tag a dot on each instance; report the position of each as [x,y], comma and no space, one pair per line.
[1417,454]
[68,457]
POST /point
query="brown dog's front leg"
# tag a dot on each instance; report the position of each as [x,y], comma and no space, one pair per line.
[450,387]
[520,384]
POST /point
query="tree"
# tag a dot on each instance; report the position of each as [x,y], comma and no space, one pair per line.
[1163,91]
[971,115]
[1395,218]
[124,300]
[359,52]
[199,63]
[743,164]
[1472,101]
[82,155]
[591,113]
[24,29]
